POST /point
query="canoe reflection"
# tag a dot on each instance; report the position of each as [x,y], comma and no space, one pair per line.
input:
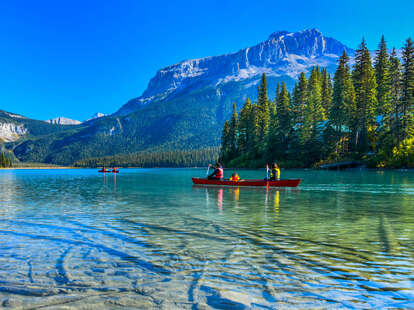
[220,199]
[276,205]
[108,179]
[233,196]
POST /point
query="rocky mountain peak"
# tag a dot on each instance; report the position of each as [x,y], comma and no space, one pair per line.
[283,54]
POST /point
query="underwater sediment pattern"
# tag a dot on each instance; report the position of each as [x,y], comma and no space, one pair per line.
[148,238]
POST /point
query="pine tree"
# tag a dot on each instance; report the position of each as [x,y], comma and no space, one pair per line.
[263,113]
[246,127]
[255,138]
[277,96]
[300,100]
[395,96]
[2,160]
[326,91]
[382,68]
[284,123]
[315,96]
[307,128]
[272,108]
[5,162]
[366,99]
[342,111]
[280,125]
[225,142]
[407,102]
[233,132]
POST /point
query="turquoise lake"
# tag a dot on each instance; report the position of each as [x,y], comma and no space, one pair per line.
[148,238]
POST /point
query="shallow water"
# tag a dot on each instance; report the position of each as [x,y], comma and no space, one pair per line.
[147,238]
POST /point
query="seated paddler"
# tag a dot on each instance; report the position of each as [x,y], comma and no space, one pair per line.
[274,172]
[218,172]
[234,177]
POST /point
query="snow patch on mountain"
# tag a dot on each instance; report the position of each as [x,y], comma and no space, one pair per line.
[247,73]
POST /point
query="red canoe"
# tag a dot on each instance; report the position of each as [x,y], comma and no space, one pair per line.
[279,183]
[108,171]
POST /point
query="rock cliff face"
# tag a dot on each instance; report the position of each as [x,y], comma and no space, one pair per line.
[283,55]
[10,132]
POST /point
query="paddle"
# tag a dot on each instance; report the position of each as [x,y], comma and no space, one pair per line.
[267,172]
[208,169]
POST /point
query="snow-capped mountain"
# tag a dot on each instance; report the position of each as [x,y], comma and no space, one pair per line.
[284,55]
[63,121]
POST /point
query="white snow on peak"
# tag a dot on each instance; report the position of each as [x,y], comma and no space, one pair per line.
[247,73]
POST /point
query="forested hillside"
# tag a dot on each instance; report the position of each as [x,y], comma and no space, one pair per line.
[5,161]
[365,112]
[179,158]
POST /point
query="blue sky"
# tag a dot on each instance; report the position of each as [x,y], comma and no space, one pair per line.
[75,58]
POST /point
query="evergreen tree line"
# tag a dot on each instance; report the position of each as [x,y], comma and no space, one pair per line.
[363,112]
[5,162]
[177,158]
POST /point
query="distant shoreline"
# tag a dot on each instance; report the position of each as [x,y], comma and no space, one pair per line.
[37,167]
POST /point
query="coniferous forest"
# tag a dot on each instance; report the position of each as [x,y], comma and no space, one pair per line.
[5,162]
[176,158]
[364,112]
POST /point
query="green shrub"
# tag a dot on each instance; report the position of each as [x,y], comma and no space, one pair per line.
[403,155]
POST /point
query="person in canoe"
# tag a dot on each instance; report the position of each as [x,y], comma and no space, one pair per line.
[274,172]
[235,177]
[218,172]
